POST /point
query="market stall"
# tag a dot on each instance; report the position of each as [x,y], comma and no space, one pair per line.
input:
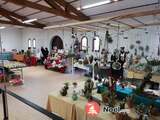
[12,72]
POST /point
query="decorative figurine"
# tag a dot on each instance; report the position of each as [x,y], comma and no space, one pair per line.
[105,97]
[75,89]
[74,96]
[129,101]
[75,85]
[89,84]
[63,91]
[143,112]
[122,104]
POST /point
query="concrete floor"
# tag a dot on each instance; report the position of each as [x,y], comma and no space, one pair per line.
[37,84]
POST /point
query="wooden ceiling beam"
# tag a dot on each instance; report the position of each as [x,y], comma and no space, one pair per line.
[150,24]
[53,4]
[117,21]
[68,7]
[12,14]
[138,14]
[19,24]
[138,21]
[8,17]
[37,6]
[8,14]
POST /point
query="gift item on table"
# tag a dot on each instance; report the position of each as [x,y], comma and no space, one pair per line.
[74,96]
[88,87]
[2,76]
[122,116]
[75,88]
[100,86]
[16,81]
[64,90]
[129,101]
[47,62]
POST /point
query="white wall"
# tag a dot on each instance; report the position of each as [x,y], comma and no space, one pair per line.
[43,38]
[11,38]
[14,38]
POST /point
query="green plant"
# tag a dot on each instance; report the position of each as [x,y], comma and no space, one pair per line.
[138,91]
[108,37]
[132,47]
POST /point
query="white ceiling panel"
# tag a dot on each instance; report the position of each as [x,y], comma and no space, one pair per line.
[41,15]
[54,19]
[11,6]
[88,2]
[148,19]
[76,4]
[130,22]
[3,18]
[117,6]
[43,3]
[33,0]
[69,0]
[1,2]
[26,11]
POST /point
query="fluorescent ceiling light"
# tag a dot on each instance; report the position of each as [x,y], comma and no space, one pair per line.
[29,21]
[2,27]
[95,4]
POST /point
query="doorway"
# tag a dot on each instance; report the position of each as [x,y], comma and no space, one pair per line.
[57,42]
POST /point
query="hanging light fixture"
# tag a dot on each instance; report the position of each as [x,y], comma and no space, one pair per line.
[94,4]
[30,20]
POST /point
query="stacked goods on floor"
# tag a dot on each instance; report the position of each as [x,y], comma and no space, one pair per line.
[56,62]
[15,79]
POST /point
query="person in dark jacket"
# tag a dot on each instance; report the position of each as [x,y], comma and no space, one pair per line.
[46,52]
[43,53]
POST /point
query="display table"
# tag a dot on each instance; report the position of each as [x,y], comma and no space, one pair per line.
[123,92]
[12,66]
[6,56]
[81,66]
[18,57]
[140,75]
[75,110]
[138,99]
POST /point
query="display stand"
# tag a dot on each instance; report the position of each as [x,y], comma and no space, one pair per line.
[5,103]
[93,71]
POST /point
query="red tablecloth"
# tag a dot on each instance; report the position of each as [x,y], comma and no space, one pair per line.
[31,61]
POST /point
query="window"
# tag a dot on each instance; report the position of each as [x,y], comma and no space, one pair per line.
[96,44]
[84,43]
[34,43]
[29,43]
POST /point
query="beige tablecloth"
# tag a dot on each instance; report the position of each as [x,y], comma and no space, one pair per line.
[63,106]
[140,75]
[75,110]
